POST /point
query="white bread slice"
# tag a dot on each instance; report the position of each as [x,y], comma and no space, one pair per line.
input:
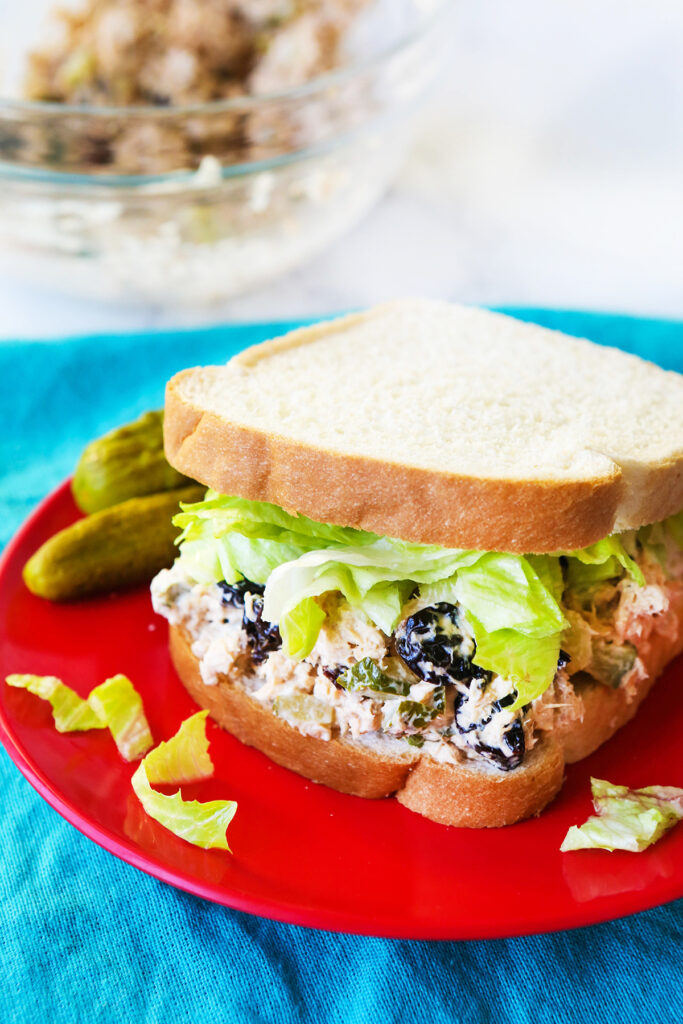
[438,424]
[468,794]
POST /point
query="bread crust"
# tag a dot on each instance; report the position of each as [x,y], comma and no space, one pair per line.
[430,506]
[459,794]
[418,505]
[485,798]
[464,795]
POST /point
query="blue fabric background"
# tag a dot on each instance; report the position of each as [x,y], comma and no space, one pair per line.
[86,938]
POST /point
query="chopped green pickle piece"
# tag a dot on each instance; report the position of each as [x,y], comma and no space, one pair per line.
[419,715]
[367,675]
[304,708]
[611,662]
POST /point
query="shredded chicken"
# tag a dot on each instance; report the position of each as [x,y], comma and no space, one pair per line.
[174,53]
[472,720]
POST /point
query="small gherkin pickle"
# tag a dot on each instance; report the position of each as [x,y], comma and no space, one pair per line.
[126,463]
[111,549]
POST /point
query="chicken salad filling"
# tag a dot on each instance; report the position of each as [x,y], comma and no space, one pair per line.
[419,684]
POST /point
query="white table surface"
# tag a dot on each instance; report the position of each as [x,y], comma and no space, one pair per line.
[547,170]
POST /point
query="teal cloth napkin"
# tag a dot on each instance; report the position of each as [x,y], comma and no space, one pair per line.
[84,938]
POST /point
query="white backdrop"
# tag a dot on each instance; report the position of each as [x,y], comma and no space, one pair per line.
[547,170]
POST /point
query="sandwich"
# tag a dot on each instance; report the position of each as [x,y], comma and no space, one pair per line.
[440,555]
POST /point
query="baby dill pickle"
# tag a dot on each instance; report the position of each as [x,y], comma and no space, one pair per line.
[125,463]
[115,548]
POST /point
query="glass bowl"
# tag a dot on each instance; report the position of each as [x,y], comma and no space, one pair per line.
[195,204]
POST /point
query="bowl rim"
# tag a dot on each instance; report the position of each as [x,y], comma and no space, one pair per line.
[319,83]
[160,181]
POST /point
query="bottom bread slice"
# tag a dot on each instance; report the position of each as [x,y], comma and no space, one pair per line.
[469,793]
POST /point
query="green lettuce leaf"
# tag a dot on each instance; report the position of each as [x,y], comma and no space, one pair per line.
[185,756]
[376,578]
[118,705]
[505,592]
[511,606]
[513,603]
[627,819]
[549,572]
[530,662]
[69,711]
[601,561]
[663,541]
[583,576]
[300,627]
[227,538]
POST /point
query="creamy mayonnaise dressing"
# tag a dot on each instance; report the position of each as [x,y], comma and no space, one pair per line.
[220,643]
[346,637]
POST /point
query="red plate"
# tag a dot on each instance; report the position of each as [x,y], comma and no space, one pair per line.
[303,853]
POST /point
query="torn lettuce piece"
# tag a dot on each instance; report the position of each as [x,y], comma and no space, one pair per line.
[585,578]
[185,756]
[300,627]
[505,592]
[605,793]
[607,556]
[528,662]
[226,538]
[627,819]
[118,706]
[549,571]
[69,711]
[203,824]
[513,602]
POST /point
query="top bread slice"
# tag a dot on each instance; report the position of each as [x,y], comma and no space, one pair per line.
[438,424]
